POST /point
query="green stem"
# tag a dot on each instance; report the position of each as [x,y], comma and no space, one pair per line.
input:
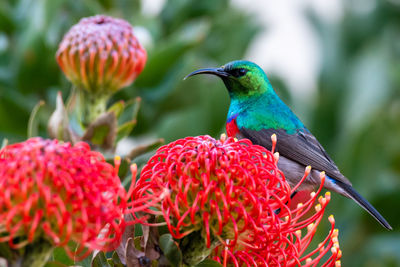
[92,105]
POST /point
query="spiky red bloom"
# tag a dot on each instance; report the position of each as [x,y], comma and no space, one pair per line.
[60,193]
[288,246]
[234,193]
[101,54]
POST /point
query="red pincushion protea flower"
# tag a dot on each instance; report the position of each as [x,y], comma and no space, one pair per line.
[101,54]
[234,195]
[59,193]
[287,246]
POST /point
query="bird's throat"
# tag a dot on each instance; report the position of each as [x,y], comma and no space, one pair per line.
[231,127]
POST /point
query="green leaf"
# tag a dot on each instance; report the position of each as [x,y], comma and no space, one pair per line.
[127,120]
[209,263]
[32,123]
[100,134]
[125,129]
[102,131]
[100,260]
[55,264]
[171,250]
[135,106]
[116,260]
[130,110]
[86,262]
[117,108]
[60,255]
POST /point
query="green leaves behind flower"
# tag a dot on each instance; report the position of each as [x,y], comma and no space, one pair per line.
[209,263]
[60,259]
[100,260]
[171,250]
[103,133]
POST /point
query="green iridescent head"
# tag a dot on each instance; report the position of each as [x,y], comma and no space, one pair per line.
[242,78]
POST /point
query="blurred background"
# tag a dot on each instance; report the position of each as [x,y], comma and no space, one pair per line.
[335,62]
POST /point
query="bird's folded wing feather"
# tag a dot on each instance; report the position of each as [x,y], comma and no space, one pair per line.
[301,147]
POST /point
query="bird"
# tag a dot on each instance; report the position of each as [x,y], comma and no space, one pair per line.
[256,113]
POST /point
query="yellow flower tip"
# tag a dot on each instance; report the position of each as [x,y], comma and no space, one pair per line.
[317,207]
[117,163]
[273,138]
[299,205]
[308,169]
[335,232]
[334,250]
[298,233]
[322,200]
[286,218]
[335,240]
[308,260]
[310,226]
[235,139]
[331,219]
[339,253]
[223,137]
[117,160]
[276,156]
[338,263]
[336,245]
[133,169]
[312,194]
[322,175]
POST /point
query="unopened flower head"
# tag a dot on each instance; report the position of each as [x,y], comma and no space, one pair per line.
[101,54]
[233,192]
[59,193]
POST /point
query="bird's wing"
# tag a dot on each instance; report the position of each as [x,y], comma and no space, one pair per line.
[301,147]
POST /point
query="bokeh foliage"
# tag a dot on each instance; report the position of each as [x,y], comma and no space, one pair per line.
[357,118]
[356,115]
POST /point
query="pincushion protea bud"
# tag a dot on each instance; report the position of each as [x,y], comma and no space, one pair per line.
[101,54]
[232,194]
[57,194]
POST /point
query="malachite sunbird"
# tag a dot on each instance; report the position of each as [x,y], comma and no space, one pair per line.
[256,112]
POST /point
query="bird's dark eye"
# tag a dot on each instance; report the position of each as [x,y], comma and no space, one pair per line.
[238,72]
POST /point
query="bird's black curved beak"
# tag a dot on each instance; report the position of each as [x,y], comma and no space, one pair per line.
[220,72]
